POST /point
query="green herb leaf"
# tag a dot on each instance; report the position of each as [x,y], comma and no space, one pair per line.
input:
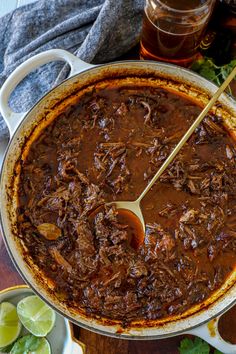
[196,66]
[26,344]
[198,346]
[206,68]
[216,351]
[208,72]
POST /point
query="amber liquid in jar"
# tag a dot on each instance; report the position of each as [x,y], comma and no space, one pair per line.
[169,36]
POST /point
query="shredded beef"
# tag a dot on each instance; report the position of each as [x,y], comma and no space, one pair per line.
[105,148]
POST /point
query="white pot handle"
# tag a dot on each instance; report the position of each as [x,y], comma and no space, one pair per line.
[73,345]
[13,119]
[77,348]
[209,332]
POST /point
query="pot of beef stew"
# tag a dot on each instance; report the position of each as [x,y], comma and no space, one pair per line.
[100,136]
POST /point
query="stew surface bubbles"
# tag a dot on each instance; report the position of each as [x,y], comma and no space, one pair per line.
[107,147]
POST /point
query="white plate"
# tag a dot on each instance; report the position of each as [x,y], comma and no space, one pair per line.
[61,337]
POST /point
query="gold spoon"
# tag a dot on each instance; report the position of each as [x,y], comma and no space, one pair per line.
[134,207]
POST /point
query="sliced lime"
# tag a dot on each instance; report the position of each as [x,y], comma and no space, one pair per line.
[10,325]
[37,317]
[44,347]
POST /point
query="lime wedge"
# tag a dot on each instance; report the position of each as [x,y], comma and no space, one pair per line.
[10,325]
[44,347]
[37,317]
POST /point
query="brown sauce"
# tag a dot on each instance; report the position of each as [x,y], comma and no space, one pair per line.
[106,148]
[134,227]
[227,326]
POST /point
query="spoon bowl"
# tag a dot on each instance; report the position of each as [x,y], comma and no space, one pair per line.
[133,207]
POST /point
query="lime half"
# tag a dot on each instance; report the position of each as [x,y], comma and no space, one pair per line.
[10,325]
[44,347]
[37,317]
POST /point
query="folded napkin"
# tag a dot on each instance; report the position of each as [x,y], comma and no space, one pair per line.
[96,31]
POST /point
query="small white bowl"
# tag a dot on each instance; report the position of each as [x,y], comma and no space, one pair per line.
[61,338]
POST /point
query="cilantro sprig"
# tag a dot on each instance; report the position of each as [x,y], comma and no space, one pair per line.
[197,346]
[26,344]
[23,345]
[208,69]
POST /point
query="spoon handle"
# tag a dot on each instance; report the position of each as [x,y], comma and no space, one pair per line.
[188,133]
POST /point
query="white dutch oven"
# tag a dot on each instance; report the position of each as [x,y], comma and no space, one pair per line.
[202,320]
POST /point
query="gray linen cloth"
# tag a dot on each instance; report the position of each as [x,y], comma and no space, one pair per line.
[95,30]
